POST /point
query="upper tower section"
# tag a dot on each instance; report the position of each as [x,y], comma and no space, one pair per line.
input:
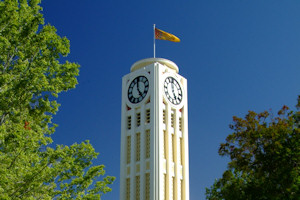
[148,61]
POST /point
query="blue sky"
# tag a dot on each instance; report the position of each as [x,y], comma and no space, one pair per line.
[236,55]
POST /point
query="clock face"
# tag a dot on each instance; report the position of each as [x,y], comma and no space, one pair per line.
[173,90]
[138,89]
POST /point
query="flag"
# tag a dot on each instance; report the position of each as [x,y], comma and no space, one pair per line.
[162,35]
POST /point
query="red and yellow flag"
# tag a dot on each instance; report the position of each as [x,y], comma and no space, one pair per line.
[162,35]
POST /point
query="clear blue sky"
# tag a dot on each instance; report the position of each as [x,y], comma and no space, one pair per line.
[236,55]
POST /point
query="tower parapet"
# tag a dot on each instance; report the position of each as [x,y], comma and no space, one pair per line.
[148,61]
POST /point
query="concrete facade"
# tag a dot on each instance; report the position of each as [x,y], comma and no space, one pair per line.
[154,133]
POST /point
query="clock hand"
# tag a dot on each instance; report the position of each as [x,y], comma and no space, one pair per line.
[138,89]
[173,91]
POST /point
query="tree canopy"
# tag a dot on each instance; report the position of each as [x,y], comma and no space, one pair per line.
[31,77]
[265,158]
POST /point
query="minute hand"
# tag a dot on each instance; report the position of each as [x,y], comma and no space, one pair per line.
[173,91]
[138,89]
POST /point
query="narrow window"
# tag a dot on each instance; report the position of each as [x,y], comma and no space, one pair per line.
[147,188]
[128,149]
[137,187]
[164,116]
[147,144]
[129,122]
[128,189]
[182,189]
[181,152]
[138,146]
[173,148]
[148,116]
[180,124]
[171,189]
[138,119]
[165,186]
[174,187]
[172,120]
[165,145]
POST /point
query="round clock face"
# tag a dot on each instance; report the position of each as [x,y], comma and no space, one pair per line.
[173,90]
[138,89]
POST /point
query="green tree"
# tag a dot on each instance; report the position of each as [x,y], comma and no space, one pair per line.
[265,158]
[31,77]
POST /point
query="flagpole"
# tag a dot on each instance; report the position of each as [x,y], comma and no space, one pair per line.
[154,40]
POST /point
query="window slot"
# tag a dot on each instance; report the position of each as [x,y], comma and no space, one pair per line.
[128,149]
[138,119]
[148,116]
[147,144]
[129,122]
[138,146]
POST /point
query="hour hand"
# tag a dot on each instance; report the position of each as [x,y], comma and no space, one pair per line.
[173,91]
[138,89]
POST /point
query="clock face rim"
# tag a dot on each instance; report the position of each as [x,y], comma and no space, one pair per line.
[134,86]
[179,91]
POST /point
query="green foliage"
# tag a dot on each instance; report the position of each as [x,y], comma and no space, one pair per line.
[31,77]
[265,158]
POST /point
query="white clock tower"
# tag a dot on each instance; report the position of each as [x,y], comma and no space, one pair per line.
[154,133]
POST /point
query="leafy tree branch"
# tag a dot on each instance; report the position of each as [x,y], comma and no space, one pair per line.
[31,78]
[264,154]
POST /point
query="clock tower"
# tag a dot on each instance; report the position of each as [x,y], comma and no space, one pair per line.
[154,132]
